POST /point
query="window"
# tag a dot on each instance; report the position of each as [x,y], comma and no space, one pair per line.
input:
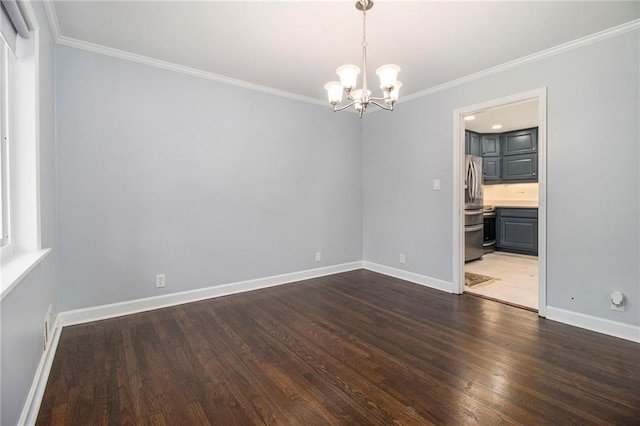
[4,152]
[20,246]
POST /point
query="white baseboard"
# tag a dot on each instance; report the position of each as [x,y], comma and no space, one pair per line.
[80,316]
[31,406]
[34,398]
[600,325]
[410,276]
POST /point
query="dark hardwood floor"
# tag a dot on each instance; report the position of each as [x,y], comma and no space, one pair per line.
[353,348]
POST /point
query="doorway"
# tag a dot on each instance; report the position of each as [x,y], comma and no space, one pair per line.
[513,264]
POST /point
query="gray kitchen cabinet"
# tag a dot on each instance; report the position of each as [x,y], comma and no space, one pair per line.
[510,157]
[517,230]
[475,146]
[520,168]
[520,142]
[472,144]
[490,145]
[491,170]
[466,142]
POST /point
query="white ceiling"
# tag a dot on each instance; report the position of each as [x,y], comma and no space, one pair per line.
[516,116]
[295,46]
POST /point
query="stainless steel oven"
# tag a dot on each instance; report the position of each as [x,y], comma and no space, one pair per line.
[489,240]
[473,234]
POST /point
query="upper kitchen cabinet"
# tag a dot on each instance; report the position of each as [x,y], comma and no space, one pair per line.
[473,145]
[520,142]
[491,170]
[520,168]
[510,157]
[490,145]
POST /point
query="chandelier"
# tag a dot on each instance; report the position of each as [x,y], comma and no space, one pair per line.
[361,98]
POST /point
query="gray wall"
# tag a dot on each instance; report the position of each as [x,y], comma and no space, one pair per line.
[593,162]
[161,172]
[23,310]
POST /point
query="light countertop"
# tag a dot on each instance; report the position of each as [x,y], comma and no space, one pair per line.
[512,203]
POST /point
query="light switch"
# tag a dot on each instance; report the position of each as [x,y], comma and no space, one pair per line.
[436,184]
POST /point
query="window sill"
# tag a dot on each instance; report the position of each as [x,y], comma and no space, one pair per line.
[16,266]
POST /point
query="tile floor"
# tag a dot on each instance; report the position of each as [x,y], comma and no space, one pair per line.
[516,278]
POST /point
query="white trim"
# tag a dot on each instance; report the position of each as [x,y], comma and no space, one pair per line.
[458,182]
[80,316]
[96,48]
[36,392]
[17,266]
[409,276]
[50,11]
[584,41]
[121,54]
[599,325]
[170,66]
[542,202]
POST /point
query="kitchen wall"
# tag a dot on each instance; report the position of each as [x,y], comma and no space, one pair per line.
[511,194]
[161,172]
[592,167]
[24,308]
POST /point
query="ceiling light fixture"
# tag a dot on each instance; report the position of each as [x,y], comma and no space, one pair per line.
[469,117]
[496,126]
[361,98]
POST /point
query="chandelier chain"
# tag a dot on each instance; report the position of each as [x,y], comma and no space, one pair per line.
[364,28]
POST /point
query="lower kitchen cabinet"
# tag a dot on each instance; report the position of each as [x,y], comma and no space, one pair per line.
[517,230]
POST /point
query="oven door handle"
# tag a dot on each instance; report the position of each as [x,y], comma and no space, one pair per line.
[473,212]
[474,228]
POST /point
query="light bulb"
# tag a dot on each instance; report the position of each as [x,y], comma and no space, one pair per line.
[348,76]
[388,75]
[334,92]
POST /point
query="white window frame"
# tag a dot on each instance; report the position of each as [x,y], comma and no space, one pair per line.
[5,197]
[24,250]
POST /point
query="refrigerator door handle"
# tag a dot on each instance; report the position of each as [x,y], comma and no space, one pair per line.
[474,181]
[469,182]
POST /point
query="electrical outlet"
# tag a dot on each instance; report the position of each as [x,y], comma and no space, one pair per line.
[617,301]
[45,333]
[318,256]
[46,327]
[160,280]
[403,259]
[617,308]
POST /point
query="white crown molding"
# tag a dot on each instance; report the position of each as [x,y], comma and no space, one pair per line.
[50,11]
[121,54]
[599,325]
[170,66]
[584,41]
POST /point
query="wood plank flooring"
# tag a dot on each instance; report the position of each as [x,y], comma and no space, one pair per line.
[352,348]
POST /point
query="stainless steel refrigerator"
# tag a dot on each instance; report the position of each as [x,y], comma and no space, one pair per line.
[473,219]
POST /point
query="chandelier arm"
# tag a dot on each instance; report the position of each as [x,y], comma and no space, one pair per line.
[374,98]
[336,109]
[388,108]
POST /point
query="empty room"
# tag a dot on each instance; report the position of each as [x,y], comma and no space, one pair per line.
[319,212]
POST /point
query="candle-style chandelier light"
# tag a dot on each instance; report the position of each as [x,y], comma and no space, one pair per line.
[361,98]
